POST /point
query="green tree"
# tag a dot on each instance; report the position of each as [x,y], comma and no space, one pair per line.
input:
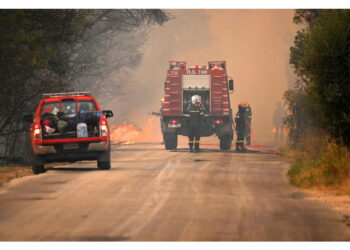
[53,50]
[327,65]
[320,57]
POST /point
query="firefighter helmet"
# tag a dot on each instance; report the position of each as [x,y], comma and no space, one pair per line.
[195,98]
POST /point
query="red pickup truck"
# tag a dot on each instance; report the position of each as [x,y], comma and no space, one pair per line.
[69,127]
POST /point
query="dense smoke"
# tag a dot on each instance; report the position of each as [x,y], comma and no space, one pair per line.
[255,44]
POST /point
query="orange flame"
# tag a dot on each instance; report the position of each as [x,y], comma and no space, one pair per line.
[274,130]
[124,133]
[129,134]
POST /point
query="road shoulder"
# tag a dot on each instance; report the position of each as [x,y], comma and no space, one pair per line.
[333,199]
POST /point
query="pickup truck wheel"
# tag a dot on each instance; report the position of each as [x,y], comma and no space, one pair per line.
[104,160]
[104,165]
[170,141]
[38,169]
[38,165]
[225,142]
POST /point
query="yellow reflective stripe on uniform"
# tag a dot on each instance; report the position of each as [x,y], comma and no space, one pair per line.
[240,141]
[196,141]
[195,111]
[190,141]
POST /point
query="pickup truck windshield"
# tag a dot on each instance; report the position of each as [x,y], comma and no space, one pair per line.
[86,106]
[50,107]
[68,107]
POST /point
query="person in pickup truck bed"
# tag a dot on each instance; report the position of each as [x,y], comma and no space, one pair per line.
[196,111]
[48,123]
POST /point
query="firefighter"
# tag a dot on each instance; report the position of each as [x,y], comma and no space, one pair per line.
[240,128]
[196,111]
[248,116]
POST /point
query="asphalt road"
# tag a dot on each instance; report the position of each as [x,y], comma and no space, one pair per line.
[156,195]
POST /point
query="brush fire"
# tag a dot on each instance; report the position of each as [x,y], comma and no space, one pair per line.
[127,133]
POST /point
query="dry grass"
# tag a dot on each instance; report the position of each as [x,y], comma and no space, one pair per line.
[322,164]
[8,173]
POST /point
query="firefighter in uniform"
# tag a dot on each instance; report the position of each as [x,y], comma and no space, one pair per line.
[248,116]
[196,111]
[240,128]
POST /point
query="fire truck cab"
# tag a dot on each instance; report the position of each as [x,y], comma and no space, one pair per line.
[213,85]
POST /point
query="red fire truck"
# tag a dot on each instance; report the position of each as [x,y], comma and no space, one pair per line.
[213,85]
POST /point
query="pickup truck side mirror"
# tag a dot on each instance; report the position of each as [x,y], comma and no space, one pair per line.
[230,84]
[28,118]
[108,113]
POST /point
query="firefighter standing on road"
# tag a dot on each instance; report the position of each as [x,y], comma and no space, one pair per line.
[248,116]
[196,112]
[240,128]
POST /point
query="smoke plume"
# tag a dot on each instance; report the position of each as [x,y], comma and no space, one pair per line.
[254,43]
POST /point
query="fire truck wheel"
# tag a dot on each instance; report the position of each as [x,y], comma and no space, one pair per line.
[225,143]
[170,141]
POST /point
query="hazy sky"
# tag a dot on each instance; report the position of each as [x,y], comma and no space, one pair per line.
[254,43]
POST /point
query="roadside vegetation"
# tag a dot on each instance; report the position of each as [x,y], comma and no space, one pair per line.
[323,164]
[318,107]
[63,50]
[45,51]
[12,172]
